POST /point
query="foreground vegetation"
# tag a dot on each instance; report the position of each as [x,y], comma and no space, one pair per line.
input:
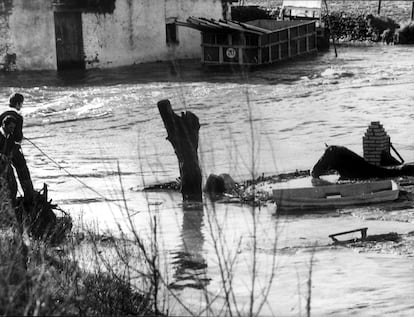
[117,273]
[37,278]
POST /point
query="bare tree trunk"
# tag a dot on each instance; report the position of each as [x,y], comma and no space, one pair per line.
[183,135]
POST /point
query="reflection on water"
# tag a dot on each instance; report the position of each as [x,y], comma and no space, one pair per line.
[188,260]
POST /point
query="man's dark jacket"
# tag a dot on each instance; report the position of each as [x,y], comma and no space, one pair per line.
[18,131]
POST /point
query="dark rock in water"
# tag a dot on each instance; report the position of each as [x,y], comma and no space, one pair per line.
[215,185]
[218,185]
[229,183]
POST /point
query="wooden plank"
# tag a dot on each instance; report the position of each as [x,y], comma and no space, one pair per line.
[207,24]
[362,230]
[238,28]
[250,27]
[195,26]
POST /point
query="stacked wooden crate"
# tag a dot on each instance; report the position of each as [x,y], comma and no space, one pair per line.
[256,42]
[374,142]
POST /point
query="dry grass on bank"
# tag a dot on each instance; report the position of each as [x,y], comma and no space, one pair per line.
[51,284]
[39,279]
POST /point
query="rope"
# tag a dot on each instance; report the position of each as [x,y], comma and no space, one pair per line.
[396,152]
[73,176]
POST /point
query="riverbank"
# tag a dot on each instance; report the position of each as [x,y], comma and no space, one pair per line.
[40,277]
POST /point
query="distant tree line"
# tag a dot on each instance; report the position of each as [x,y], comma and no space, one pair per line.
[346,26]
[359,27]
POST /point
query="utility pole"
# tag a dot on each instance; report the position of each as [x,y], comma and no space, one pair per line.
[412,12]
[379,7]
[330,28]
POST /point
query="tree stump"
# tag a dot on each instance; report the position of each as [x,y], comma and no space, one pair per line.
[183,135]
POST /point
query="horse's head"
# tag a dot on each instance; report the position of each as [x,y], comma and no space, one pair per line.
[327,161]
[347,163]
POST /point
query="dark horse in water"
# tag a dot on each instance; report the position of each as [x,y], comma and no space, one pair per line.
[350,165]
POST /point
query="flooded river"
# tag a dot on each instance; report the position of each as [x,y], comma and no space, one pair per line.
[96,138]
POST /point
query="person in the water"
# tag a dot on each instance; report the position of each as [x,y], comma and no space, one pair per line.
[19,162]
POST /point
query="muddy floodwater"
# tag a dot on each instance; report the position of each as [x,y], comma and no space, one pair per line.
[96,138]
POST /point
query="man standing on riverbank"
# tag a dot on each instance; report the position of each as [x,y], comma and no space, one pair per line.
[7,146]
[19,162]
[15,105]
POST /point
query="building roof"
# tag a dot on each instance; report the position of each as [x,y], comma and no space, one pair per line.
[257,27]
[204,24]
[276,25]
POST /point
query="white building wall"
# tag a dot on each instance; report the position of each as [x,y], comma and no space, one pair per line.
[5,36]
[32,35]
[135,32]
[189,39]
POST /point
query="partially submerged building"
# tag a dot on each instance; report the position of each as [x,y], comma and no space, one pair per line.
[60,34]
